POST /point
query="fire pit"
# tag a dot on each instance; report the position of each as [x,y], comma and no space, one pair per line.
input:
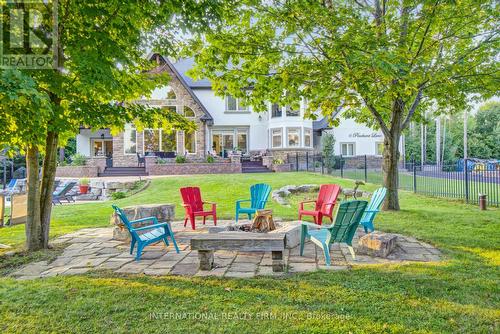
[261,235]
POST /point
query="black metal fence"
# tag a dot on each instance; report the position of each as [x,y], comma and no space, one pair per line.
[450,180]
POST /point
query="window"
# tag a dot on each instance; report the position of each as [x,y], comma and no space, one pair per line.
[292,112]
[293,137]
[307,137]
[188,112]
[241,137]
[168,141]
[190,142]
[379,148]
[347,149]
[130,139]
[235,104]
[171,94]
[151,140]
[276,137]
[276,110]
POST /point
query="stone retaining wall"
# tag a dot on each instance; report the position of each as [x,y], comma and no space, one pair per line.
[193,168]
[77,171]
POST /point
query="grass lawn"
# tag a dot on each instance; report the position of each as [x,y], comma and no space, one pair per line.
[459,294]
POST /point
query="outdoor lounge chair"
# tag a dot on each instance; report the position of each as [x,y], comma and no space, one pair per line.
[324,204]
[372,209]
[63,194]
[11,187]
[193,204]
[141,160]
[145,235]
[259,193]
[343,230]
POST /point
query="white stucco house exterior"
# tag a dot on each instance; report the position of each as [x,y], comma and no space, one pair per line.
[224,125]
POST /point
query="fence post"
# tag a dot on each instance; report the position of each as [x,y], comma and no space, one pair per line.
[341,167]
[307,161]
[366,170]
[414,176]
[297,161]
[322,165]
[466,177]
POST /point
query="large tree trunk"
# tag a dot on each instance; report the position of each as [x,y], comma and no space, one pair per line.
[33,224]
[48,178]
[390,169]
[391,157]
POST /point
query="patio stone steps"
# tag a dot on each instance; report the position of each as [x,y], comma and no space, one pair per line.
[253,167]
[124,171]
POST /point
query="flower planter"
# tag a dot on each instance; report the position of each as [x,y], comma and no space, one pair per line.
[84,189]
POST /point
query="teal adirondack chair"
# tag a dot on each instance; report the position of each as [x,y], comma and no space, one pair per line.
[145,235]
[259,194]
[343,230]
[372,209]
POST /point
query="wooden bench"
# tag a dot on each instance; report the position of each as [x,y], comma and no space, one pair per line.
[206,244]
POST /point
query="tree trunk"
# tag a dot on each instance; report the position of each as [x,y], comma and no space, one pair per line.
[48,178]
[390,169]
[391,157]
[33,224]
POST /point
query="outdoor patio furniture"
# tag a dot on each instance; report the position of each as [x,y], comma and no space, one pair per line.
[372,209]
[145,235]
[259,193]
[63,194]
[193,204]
[324,204]
[141,160]
[18,209]
[346,223]
[11,186]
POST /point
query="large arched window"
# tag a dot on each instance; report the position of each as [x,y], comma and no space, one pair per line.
[188,112]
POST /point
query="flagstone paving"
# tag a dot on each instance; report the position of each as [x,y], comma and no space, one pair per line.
[94,249]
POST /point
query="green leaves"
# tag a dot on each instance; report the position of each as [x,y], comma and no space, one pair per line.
[354,54]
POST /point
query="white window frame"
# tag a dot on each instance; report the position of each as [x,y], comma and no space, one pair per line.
[288,134]
[238,105]
[144,141]
[280,135]
[308,130]
[130,127]
[377,153]
[353,149]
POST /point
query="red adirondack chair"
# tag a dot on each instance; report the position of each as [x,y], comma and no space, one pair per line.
[191,196]
[324,205]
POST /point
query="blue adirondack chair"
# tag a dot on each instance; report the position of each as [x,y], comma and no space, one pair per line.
[10,187]
[145,235]
[372,209]
[259,194]
[343,230]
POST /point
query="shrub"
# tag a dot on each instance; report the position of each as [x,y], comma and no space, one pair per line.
[118,195]
[180,159]
[161,161]
[84,181]
[278,162]
[78,160]
[328,143]
[210,159]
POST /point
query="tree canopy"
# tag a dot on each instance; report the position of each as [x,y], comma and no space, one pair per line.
[383,61]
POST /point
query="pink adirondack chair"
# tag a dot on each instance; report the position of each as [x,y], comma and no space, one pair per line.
[193,204]
[324,204]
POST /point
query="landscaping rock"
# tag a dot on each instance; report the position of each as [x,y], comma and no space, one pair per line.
[377,244]
[86,197]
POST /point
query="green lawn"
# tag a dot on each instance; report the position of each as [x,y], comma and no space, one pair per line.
[460,294]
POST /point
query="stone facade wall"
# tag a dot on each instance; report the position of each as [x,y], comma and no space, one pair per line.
[193,168]
[183,98]
[358,162]
[77,171]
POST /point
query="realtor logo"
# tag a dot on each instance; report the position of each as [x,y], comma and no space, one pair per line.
[28,34]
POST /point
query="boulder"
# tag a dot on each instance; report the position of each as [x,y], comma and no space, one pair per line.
[87,197]
[96,191]
[97,184]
